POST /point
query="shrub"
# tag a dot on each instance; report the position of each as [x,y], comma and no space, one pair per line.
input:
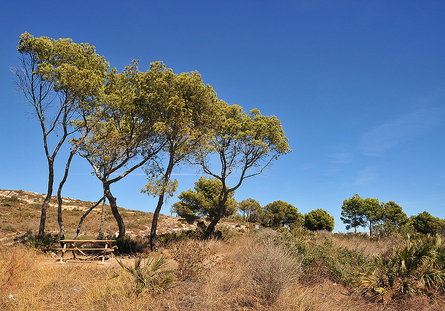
[270,270]
[194,259]
[46,243]
[148,273]
[166,239]
[412,269]
[224,232]
[127,245]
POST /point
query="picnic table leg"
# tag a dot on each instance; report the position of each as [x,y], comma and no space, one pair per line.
[105,252]
[63,252]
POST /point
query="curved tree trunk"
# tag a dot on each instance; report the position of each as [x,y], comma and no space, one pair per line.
[222,210]
[79,226]
[115,211]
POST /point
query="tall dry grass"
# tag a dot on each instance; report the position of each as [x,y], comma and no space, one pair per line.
[37,282]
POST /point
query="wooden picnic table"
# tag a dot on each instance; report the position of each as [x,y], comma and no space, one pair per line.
[100,248]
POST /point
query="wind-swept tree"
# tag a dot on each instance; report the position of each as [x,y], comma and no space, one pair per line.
[127,132]
[60,79]
[188,110]
[245,145]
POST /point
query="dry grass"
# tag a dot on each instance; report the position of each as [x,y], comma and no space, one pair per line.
[37,282]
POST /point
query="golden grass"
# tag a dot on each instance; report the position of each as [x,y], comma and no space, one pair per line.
[37,282]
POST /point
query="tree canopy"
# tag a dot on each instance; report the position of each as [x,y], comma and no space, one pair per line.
[251,210]
[203,201]
[61,79]
[319,219]
[352,213]
[280,213]
[245,144]
[427,224]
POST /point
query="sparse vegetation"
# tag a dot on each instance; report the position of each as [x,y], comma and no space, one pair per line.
[281,269]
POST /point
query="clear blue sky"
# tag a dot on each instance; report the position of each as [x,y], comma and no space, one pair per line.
[359,87]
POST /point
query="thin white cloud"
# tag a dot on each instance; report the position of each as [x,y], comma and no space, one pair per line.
[400,130]
[367,175]
[341,157]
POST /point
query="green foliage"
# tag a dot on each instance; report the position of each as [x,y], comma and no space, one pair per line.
[245,144]
[319,219]
[382,218]
[319,259]
[127,245]
[46,243]
[203,201]
[194,259]
[167,239]
[279,213]
[373,213]
[251,210]
[352,213]
[412,269]
[148,273]
[427,224]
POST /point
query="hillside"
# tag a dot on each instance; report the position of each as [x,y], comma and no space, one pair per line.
[20,212]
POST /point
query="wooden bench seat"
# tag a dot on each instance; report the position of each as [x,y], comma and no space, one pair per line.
[103,247]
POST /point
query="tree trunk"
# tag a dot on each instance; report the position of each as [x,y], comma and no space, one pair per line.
[62,183]
[154,223]
[102,218]
[222,210]
[79,226]
[115,211]
[47,199]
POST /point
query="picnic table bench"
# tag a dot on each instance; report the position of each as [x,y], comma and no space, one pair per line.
[90,249]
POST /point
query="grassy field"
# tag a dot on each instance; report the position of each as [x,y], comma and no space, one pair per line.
[257,270]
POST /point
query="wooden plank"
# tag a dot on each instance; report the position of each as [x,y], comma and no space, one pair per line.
[87,241]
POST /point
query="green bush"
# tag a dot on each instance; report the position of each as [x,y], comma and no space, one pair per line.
[46,243]
[148,274]
[414,269]
[127,245]
[320,259]
[167,239]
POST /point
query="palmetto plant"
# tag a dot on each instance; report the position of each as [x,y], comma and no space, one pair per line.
[147,273]
[413,269]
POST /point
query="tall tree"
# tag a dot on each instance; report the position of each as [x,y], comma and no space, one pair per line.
[203,201]
[59,78]
[190,107]
[245,144]
[373,213]
[352,213]
[393,217]
[127,132]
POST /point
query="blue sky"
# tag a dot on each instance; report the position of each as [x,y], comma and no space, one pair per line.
[358,86]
